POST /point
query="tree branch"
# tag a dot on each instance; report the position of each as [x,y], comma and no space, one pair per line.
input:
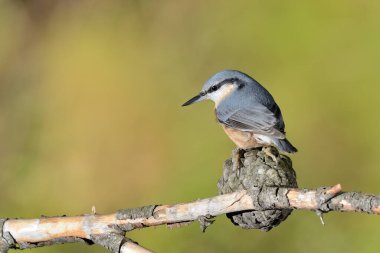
[257,190]
[108,230]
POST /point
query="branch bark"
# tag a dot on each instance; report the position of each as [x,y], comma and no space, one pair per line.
[108,230]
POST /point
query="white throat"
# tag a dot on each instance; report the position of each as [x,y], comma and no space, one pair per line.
[223,92]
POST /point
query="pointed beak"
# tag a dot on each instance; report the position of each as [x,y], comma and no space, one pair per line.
[195,99]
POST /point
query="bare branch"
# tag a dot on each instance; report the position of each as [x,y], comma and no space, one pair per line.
[257,191]
[103,229]
[131,247]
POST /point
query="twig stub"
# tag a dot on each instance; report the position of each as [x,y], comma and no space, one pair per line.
[324,194]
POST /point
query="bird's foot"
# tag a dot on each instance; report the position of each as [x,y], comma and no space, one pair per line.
[272,153]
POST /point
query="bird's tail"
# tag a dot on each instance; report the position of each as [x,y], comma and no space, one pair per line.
[285,145]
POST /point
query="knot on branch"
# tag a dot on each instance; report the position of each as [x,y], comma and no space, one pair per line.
[324,195]
[6,240]
[254,170]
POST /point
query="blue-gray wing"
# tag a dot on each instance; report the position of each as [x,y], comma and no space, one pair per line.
[256,118]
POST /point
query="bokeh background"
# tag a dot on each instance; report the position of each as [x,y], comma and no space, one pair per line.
[90,95]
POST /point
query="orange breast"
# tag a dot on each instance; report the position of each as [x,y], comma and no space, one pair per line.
[242,139]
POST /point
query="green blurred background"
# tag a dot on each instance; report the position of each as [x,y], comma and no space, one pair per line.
[90,95]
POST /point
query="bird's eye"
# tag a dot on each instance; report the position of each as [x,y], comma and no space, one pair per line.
[214,88]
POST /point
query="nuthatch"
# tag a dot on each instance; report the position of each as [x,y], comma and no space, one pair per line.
[246,110]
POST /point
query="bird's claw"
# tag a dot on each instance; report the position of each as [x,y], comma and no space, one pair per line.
[272,153]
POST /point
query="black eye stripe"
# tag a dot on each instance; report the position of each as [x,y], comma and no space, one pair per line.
[215,87]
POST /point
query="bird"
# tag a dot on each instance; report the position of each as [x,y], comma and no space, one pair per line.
[246,110]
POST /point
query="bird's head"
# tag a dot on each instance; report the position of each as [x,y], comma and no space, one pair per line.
[220,86]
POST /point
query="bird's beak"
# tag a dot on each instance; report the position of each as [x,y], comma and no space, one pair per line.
[195,99]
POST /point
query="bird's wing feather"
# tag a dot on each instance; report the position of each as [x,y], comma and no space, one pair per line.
[256,118]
